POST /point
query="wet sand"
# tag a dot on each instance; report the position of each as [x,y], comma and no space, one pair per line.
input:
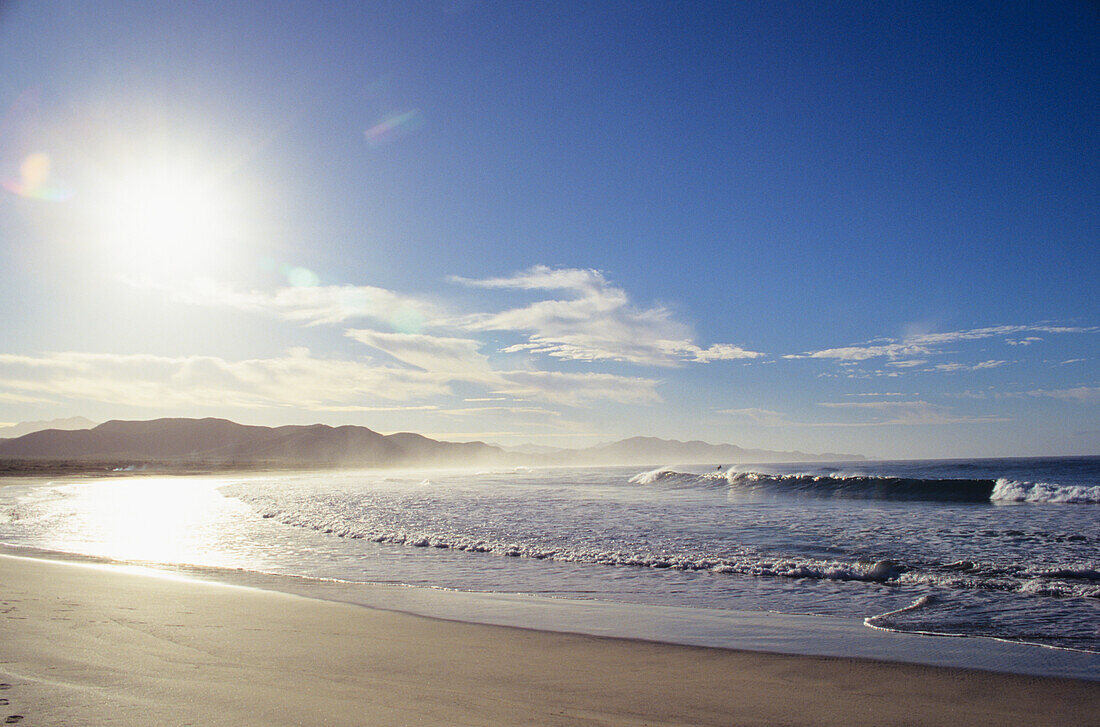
[84,645]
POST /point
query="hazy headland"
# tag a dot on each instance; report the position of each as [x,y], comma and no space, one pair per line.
[192,445]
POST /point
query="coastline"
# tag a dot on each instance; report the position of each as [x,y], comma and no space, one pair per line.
[98,645]
[713,625]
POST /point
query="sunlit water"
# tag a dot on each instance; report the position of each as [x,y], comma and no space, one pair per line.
[901,553]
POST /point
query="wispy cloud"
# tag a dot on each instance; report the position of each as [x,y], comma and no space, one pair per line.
[364,408]
[907,363]
[907,413]
[764,417]
[576,389]
[1081,394]
[874,414]
[975,334]
[914,350]
[311,305]
[298,379]
[864,352]
[459,359]
[594,321]
[541,277]
[452,356]
[536,411]
[11,398]
[991,364]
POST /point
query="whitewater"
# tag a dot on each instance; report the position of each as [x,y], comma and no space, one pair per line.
[1004,549]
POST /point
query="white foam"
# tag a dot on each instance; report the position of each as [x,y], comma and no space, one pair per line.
[652,476]
[1014,491]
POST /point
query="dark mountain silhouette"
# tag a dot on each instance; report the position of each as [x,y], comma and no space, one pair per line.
[220,442]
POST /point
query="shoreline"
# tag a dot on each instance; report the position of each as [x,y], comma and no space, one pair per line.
[94,645]
[769,632]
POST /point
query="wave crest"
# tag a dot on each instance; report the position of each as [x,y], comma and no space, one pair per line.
[1006,490]
[873,487]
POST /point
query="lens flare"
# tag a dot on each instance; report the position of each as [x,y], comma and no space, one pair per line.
[36,180]
[407,320]
[300,277]
[394,127]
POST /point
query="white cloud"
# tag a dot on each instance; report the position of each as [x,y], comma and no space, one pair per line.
[908,351]
[542,277]
[765,417]
[975,334]
[576,389]
[596,322]
[718,352]
[458,359]
[455,356]
[1081,394]
[326,304]
[358,408]
[908,413]
[298,379]
[862,353]
[10,398]
[991,364]
[537,411]
[882,413]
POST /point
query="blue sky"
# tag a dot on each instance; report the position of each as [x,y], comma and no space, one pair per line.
[869,228]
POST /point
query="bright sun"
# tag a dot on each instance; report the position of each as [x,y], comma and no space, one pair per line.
[164,220]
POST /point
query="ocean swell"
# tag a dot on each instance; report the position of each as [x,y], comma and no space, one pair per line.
[356,521]
[873,487]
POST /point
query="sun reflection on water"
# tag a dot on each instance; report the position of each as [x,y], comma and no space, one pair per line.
[154,519]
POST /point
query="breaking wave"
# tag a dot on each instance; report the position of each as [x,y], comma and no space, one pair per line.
[1012,491]
[350,520]
[874,487]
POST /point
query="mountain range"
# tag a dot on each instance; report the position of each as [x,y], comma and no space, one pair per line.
[220,442]
[18,430]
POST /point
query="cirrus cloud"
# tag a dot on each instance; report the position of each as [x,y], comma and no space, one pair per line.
[594,321]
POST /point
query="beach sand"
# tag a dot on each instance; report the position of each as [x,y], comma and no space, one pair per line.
[85,645]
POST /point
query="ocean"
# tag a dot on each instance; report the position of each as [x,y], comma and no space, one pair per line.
[1005,549]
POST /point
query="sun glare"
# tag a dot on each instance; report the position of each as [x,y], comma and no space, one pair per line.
[164,219]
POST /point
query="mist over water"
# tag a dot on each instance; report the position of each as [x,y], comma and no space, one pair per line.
[1002,548]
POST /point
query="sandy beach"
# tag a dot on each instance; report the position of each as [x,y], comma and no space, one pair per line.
[85,645]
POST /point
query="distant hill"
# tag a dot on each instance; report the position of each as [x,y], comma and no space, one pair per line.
[651,450]
[18,430]
[530,448]
[220,442]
